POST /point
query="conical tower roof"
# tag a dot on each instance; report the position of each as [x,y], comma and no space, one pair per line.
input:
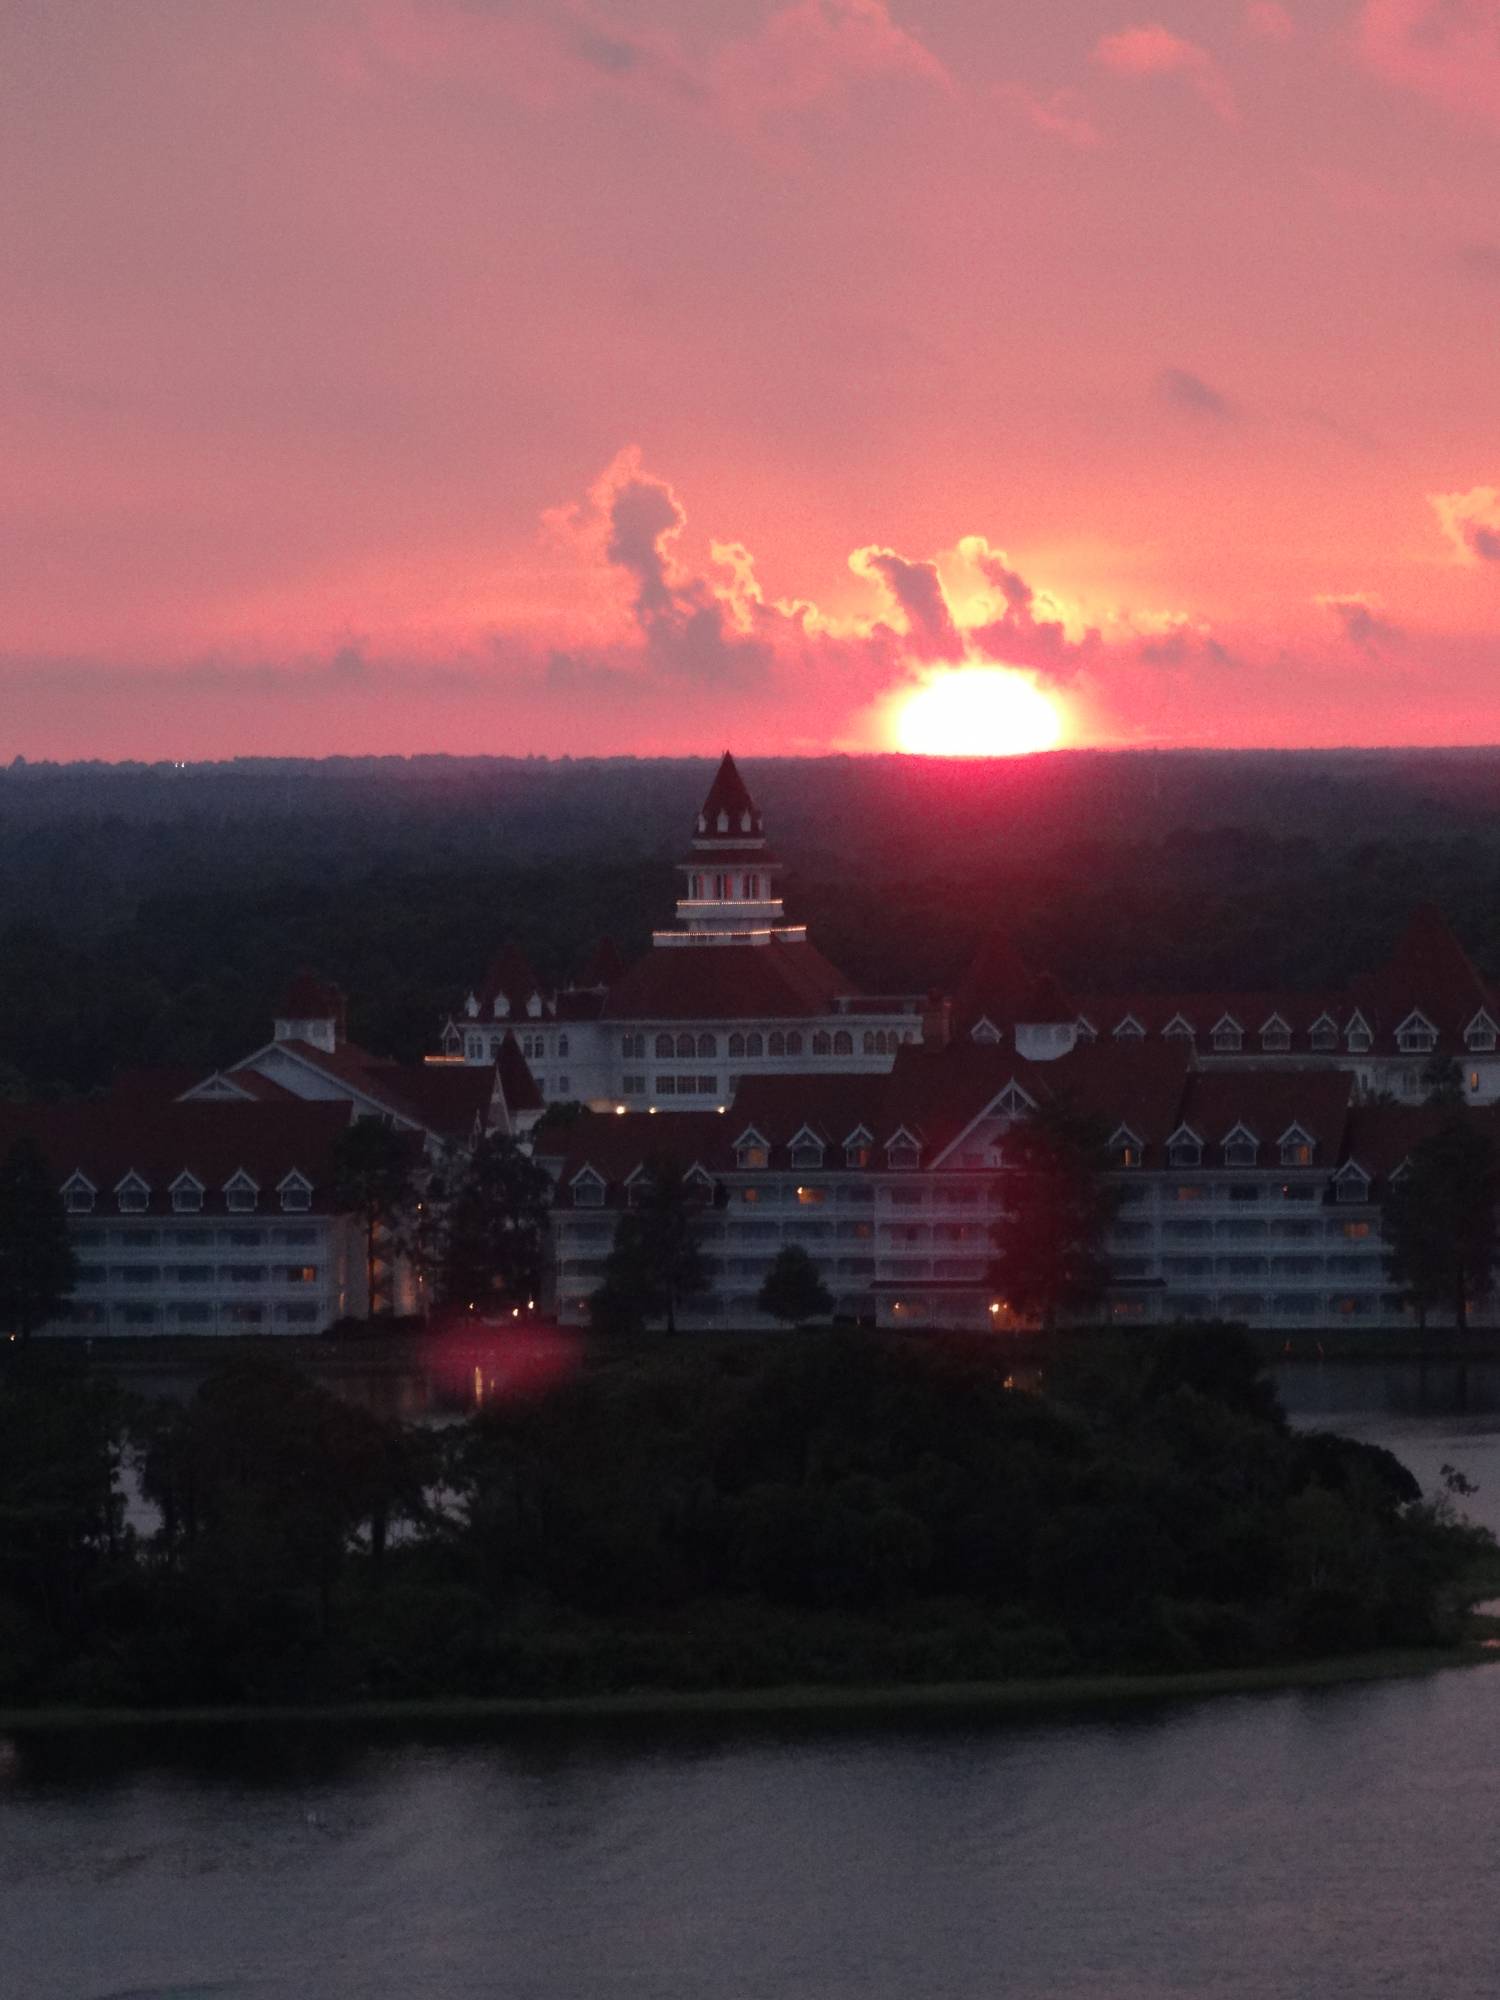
[729,812]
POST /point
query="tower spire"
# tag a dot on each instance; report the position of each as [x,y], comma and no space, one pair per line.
[730,886]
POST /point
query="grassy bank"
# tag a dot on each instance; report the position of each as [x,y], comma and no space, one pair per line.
[979,1699]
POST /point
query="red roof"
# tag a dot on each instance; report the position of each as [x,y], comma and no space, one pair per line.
[444,1099]
[509,977]
[309,998]
[727,982]
[516,1080]
[106,1139]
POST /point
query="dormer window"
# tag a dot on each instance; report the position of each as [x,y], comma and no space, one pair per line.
[723,822]
[698,1185]
[502,1007]
[1184,1148]
[1085,1030]
[637,1187]
[859,1148]
[903,1151]
[752,1150]
[1229,1036]
[1357,1036]
[1125,1149]
[132,1195]
[1013,1102]
[984,1031]
[1179,1029]
[588,1188]
[806,1149]
[1129,1030]
[1297,1147]
[1325,1033]
[296,1192]
[1351,1183]
[1241,1148]
[187,1195]
[1416,1036]
[1480,1035]
[240,1194]
[1275,1035]
[78,1195]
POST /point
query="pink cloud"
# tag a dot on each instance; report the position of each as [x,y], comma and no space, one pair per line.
[1061,114]
[814,51]
[1471,521]
[1446,50]
[1151,50]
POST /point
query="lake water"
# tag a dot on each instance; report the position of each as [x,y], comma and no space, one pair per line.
[1330,1843]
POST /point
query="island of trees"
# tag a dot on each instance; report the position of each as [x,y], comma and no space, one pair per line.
[822,1508]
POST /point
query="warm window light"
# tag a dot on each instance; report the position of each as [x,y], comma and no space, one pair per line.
[977,711]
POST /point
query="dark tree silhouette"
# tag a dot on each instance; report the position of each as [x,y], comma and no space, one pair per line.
[1438,1220]
[1049,1242]
[37,1266]
[374,1174]
[491,1224]
[793,1291]
[656,1262]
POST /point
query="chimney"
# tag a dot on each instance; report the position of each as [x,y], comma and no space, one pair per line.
[937,1021]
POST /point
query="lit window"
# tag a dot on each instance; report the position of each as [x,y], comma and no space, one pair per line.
[1297,1153]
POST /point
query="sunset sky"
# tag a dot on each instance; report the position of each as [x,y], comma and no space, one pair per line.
[651,375]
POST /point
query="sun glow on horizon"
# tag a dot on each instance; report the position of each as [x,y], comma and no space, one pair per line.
[977,711]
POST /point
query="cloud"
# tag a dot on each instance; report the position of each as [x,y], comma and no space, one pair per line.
[1063,114]
[1362,621]
[917,591]
[1151,50]
[1269,21]
[813,51]
[1445,50]
[1471,521]
[1186,391]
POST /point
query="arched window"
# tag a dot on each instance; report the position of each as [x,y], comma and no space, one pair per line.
[822,1043]
[793,1043]
[562,1045]
[695,889]
[736,1046]
[708,1045]
[686,1046]
[843,1043]
[664,1045]
[754,1045]
[632,1045]
[869,1042]
[778,1042]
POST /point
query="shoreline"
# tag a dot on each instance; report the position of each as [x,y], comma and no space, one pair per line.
[976,1699]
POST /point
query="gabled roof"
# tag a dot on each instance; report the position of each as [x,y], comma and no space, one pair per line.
[1264,1101]
[442,1099]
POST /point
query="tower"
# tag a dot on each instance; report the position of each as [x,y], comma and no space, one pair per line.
[731,877]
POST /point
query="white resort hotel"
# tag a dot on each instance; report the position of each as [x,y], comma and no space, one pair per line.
[1252,1134]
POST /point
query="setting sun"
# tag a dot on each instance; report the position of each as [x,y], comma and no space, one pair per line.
[977,712]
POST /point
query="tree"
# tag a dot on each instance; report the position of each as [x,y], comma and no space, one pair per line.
[793,1290]
[1443,1081]
[490,1236]
[374,1168]
[37,1266]
[1049,1243]
[656,1262]
[1438,1221]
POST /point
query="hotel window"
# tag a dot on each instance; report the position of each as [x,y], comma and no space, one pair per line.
[664,1047]
[588,1191]
[736,1047]
[563,1084]
[1473,1079]
[296,1196]
[902,1157]
[240,1200]
[754,1156]
[633,1047]
[754,1045]
[1228,1037]
[1416,1039]
[78,1199]
[1241,1151]
[133,1197]
[808,1154]
[1184,1153]
[843,1043]
[1352,1188]
[187,1198]
[1479,1036]
[1325,1036]
[633,1086]
[708,1045]
[793,1044]
[1358,1039]
[666,1086]
[1275,1037]
[822,1043]
[1296,1152]
[687,1046]
[301,1274]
